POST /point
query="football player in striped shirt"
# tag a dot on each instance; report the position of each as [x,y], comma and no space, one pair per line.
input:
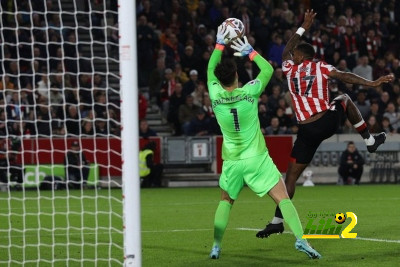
[318,118]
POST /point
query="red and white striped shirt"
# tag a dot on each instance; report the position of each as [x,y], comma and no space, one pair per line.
[308,86]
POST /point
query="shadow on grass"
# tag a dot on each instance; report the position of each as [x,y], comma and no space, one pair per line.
[178,256]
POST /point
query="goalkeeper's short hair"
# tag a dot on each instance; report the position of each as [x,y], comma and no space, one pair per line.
[226,72]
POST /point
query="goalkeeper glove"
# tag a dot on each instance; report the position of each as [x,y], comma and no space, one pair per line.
[221,33]
[242,48]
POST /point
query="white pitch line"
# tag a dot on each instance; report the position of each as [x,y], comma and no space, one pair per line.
[252,229]
[377,240]
[113,232]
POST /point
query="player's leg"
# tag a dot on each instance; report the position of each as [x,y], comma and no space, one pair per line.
[279,195]
[302,153]
[221,220]
[344,104]
[231,182]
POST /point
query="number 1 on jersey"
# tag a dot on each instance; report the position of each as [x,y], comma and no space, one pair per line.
[235,119]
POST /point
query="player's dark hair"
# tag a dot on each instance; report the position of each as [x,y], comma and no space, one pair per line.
[307,50]
[226,71]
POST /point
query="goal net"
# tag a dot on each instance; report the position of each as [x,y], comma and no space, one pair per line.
[60,145]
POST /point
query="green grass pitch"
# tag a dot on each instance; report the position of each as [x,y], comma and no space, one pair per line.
[177,228]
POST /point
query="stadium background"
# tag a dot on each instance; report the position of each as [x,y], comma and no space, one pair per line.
[72,49]
[175,39]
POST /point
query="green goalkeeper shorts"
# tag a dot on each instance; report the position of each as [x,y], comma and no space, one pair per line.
[259,173]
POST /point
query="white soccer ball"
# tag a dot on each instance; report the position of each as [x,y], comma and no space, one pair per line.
[235,27]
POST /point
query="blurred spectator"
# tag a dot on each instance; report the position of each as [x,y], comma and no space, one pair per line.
[150,172]
[363,69]
[373,125]
[87,128]
[273,99]
[247,72]
[167,89]
[173,48]
[387,127]
[114,122]
[43,86]
[205,57]
[176,100]
[383,102]
[200,125]
[142,106]
[98,82]
[180,75]
[113,41]
[144,130]
[374,110]
[392,115]
[43,125]
[372,44]
[340,28]
[264,117]
[207,106]
[349,44]
[198,94]
[191,85]
[146,43]
[147,9]
[284,121]
[187,112]
[190,60]
[275,52]
[342,66]
[72,121]
[76,167]
[277,79]
[182,32]
[351,165]
[156,78]
[379,29]
[102,128]
[380,68]
[330,19]
[274,128]
[85,91]
[10,170]
[362,103]
[6,84]
[293,129]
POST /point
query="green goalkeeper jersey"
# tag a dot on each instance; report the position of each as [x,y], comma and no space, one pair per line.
[237,111]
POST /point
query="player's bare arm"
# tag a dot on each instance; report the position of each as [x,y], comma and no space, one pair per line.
[352,78]
[295,39]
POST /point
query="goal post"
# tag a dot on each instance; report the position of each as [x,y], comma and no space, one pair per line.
[61,91]
[130,133]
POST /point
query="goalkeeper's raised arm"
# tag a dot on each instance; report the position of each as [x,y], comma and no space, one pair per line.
[243,48]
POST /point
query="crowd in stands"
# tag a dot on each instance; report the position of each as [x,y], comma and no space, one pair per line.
[48,84]
[176,38]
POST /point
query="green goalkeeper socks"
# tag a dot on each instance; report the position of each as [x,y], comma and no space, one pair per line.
[221,221]
[291,217]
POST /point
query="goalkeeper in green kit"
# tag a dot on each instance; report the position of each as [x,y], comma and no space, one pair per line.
[245,155]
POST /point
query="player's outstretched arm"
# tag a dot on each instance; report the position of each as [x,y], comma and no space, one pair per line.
[352,78]
[217,53]
[295,39]
[243,48]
